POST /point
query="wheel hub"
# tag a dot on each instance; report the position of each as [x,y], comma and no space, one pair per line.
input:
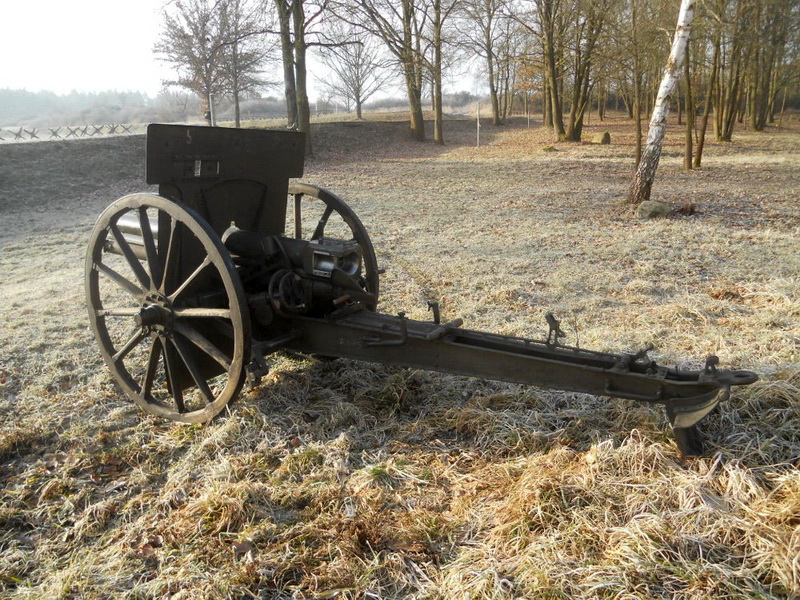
[156,314]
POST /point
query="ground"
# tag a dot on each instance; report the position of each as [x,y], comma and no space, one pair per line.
[352,480]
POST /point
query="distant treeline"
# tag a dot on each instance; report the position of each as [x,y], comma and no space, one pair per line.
[41,109]
[38,109]
[20,108]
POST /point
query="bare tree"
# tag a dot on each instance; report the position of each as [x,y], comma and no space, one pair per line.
[400,24]
[689,101]
[646,170]
[299,29]
[441,11]
[732,64]
[588,21]
[773,20]
[284,20]
[191,41]
[244,52]
[545,20]
[479,27]
[214,48]
[355,59]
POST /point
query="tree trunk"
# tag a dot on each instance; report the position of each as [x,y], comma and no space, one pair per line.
[602,101]
[496,120]
[438,111]
[698,157]
[287,52]
[582,89]
[731,91]
[637,84]
[547,14]
[546,119]
[417,121]
[646,171]
[412,72]
[490,67]
[689,103]
[783,107]
[300,74]
[730,104]
[237,113]
[637,115]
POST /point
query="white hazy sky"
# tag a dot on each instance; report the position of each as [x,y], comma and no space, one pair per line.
[87,46]
[83,45]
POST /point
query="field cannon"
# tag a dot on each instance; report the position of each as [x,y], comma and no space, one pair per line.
[191,289]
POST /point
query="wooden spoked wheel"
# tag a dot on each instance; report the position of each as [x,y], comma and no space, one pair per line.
[167,308]
[346,225]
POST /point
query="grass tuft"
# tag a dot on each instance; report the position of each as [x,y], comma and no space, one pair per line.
[343,479]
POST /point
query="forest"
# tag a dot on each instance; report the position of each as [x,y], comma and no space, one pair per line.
[249,59]
[567,56]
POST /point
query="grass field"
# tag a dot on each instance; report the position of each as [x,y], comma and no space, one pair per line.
[352,480]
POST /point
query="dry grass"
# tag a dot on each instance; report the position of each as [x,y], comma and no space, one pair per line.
[350,480]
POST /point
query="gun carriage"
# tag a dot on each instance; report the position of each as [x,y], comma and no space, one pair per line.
[191,289]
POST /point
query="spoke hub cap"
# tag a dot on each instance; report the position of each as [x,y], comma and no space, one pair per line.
[156,314]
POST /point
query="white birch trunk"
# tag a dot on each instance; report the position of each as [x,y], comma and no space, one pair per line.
[646,171]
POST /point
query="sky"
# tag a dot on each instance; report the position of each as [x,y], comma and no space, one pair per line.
[86,46]
[81,45]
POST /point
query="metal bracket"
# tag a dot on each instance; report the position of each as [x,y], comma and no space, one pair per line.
[437,315]
[555,333]
[626,360]
[710,368]
[256,369]
[371,341]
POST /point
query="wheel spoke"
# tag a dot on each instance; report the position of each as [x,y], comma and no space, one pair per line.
[152,364]
[298,216]
[322,222]
[156,270]
[126,311]
[121,281]
[130,345]
[202,342]
[185,284]
[168,254]
[199,380]
[173,377]
[335,205]
[133,260]
[203,312]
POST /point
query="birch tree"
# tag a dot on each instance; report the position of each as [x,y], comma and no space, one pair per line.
[646,171]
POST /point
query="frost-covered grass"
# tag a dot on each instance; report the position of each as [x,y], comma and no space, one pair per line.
[352,480]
